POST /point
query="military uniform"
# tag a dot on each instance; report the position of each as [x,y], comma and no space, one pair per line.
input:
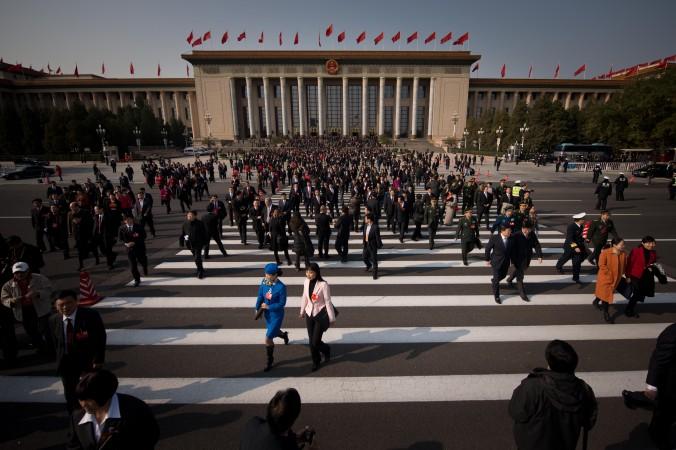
[598,235]
[431,218]
[468,232]
[572,243]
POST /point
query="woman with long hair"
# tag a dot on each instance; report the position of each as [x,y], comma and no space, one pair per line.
[612,263]
[270,303]
[641,272]
[319,313]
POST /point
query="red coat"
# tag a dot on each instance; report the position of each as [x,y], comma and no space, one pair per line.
[636,263]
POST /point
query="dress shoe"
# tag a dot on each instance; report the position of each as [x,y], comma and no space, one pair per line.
[559,270]
[497,300]
[607,317]
[577,281]
[524,297]
[368,269]
[286,337]
[597,304]
[315,366]
[136,283]
[200,274]
[375,275]
[631,313]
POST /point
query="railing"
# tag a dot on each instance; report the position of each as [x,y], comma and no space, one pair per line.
[605,166]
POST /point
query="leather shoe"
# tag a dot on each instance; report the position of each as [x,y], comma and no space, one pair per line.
[497,300]
[524,297]
[375,275]
[597,304]
[368,269]
[559,270]
[607,317]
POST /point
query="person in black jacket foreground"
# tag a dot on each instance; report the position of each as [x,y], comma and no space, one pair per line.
[194,236]
[552,405]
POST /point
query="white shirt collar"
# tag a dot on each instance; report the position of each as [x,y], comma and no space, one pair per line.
[71,317]
[113,413]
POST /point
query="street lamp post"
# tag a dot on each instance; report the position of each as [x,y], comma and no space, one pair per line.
[186,136]
[523,130]
[207,119]
[102,134]
[498,134]
[455,123]
[164,137]
[480,132]
[137,135]
[465,134]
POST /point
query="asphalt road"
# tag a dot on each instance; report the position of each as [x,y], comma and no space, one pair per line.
[435,376]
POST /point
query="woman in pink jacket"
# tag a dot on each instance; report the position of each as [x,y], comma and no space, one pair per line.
[318,311]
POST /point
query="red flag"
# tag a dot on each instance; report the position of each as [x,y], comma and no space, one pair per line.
[241,36]
[280,39]
[631,72]
[556,72]
[476,67]
[103,68]
[206,36]
[187,70]
[197,42]
[76,73]
[670,58]
[58,70]
[361,37]
[530,71]
[446,38]
[159,70]
[224,39]
[341,36]
[329,30]
[261,38]
[412,37]
[131,68]
[580,69]
[378,38]
[431,37]
[462,39]
[503,71]
[189,39]
[295,39]
[396,37]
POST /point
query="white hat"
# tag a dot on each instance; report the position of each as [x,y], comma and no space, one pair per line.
[517,181]
[606,178]
[621,173]
[579,216]
[20,267]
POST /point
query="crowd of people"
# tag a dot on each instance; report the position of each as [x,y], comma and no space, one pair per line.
[344,185]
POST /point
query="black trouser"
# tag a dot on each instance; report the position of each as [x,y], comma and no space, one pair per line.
[106,248]
[316,326]
[134,258]
[217,238]
[305,257]
[241,227]
[577,258]
[83,249]
[356,217]
[499,273]
[40,238]
[323,244]
[70,376]
[185,204]
[148,220]
[230,216]
[167,203]
[260,232]
[7,334]
[467,246]
[370,255]
[619,195]
[402,229]
[597,252]
[197,256]
[664,416]
[484,212]
[36,328]
[518,273]
[286,254]
[341,248]
[636,296]
[602,202]
[432,230]
[416,232]
[390,220]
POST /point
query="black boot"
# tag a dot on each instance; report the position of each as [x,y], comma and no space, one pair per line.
[596,303]
[270,350]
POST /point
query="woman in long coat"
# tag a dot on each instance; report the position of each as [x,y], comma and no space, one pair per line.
[270,303]
[640,273]
[612,264]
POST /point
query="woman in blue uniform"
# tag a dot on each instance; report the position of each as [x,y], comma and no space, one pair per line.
[270,303]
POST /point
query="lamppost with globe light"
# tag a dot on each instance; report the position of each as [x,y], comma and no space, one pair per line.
[498,134]
[102,134]
[164,137]
[137,135]
[186,136]
[207,119]
[465,133]
[524,129]
[480,132]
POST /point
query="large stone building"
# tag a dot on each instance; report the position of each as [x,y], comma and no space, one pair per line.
[238,94]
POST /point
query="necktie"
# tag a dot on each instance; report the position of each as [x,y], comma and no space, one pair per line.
[70,333]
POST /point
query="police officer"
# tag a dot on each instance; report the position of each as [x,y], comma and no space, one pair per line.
[468,232]
[621,183]
[573,247]
[597,173]
[603,191]
[504,220]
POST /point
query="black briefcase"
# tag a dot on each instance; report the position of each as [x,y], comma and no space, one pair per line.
[637,399]
[625,288]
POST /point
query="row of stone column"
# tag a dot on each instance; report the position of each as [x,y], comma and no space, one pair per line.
[267,109]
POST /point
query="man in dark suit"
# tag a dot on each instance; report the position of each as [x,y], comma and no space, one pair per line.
[211,221]
[390,205]
[144,212]
[372,243]
[104,235]
[230,203]
[218,209]
[323,222]
[524,242]
[343,227]
[133,236]
[241,215]
[109,420]
[79,339]
[402,214]
[39,214]
[573,247]
[184,195]
[498,255]
[194,236]
[484,199]
[661,387]
[82,226]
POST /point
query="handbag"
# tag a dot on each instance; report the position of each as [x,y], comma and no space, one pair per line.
[625,288]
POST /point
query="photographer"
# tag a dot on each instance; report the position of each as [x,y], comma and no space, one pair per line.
[274,432]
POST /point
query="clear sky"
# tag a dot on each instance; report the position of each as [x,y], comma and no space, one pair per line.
[518,33]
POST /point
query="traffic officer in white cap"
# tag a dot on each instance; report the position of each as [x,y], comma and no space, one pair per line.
[573,247]
[621,183]
[603,191]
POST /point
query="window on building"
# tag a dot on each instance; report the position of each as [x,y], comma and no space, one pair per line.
[422,91]
[403,121]
[494,95]
[334,107]
[534,96]
[405,90]
[295,117]
[278,91]
[158,95]
[508,95]
[278,120]
[419,121]
[312,108]
[387,120]
[187,115]
[481,95]
[372,108]
[261,121]
[354,108]
[243,90]
[173,113]
[247,125]
[388,92]
[259,88]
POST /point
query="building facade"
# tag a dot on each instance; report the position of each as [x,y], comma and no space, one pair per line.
[240,94]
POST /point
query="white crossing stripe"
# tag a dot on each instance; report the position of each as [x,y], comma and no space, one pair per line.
[394,335]
[254,251]
[355,238]
[367,301]
[315,390]
[484,233]
[335,264]
[355,280]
